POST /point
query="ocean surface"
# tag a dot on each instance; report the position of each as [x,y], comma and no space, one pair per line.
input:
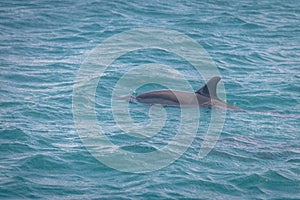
[255,46]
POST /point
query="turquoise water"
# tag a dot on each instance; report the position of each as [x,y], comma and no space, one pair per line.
[256,47]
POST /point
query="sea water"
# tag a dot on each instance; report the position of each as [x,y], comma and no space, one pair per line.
[255,46]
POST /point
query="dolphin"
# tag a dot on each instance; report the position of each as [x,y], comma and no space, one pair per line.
[204,97]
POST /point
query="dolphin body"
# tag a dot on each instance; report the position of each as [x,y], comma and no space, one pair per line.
[204,97]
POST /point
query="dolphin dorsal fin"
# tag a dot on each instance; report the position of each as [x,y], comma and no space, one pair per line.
[210,88]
